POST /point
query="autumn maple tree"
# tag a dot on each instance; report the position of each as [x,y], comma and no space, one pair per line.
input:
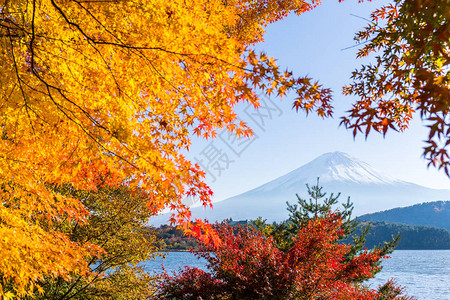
[248,265]
[110,92]
[410,73]
[304,257]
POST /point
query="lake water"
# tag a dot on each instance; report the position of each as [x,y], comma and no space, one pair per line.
[424,273]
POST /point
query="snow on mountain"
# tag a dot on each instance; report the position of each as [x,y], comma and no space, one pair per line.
[335,166]
[369,189]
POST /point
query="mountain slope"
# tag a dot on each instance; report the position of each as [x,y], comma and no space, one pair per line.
[436,214]
[412,237]
[370,190]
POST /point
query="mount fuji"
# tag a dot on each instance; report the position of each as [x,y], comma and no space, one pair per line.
[369,189]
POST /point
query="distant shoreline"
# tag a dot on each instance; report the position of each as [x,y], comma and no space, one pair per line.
[410,249]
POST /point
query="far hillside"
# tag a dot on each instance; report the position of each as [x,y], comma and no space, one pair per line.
[412,237]
[416,237]
[436,214]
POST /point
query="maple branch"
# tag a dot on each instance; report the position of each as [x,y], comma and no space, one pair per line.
[19,80]
[60,91]
[49,87]
[100,42]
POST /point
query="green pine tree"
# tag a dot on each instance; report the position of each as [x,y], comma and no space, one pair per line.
[319,205]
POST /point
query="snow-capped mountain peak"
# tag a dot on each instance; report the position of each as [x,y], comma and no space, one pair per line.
[342,167]
[333,166]
[369,189]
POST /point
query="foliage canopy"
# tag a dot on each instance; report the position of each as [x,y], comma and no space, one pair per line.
[411,73]
[108,92]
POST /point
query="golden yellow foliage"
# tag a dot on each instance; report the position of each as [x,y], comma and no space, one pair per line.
[117,222]
[109,92]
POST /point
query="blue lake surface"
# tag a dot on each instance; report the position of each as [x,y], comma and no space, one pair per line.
[424,273]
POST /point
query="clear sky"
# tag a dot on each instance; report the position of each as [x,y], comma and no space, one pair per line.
[313,44]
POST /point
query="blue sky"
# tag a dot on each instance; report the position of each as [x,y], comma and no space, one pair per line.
[314,44]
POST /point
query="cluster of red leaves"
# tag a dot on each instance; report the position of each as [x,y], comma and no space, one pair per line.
[410,73]
[93,176]
[320,266]
[247,265]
